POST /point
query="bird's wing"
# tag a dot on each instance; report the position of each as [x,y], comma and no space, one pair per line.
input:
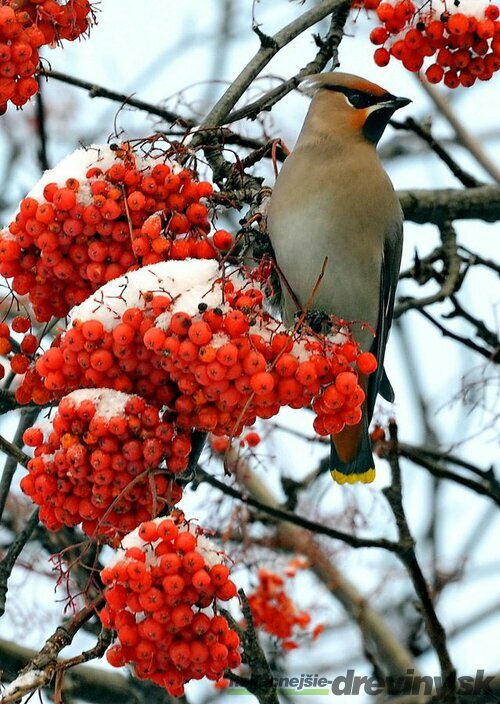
[391,260]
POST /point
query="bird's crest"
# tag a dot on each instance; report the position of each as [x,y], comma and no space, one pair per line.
[342,83]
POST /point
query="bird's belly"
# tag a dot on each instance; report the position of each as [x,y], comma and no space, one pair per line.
[349,288]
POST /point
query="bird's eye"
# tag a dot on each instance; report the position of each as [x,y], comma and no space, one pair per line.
[359,100]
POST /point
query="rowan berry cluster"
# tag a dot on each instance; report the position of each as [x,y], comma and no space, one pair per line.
[88,355]
[164,574]
[108,463]
[275,612]
[234,366]
[69,238]
[463,38]
[19,361]
[25,26]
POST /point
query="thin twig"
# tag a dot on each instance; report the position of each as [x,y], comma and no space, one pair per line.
[219,113]
[44,665]
[488,354]
[293,518]
[464,137]
[408,557]
[41,128]
[425,134]
[96,91]
[25,421]
[328,50]
[377,635]
[15,549]
[485,487]
[452,278]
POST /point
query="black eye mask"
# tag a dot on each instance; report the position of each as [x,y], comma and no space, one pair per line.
[360,100]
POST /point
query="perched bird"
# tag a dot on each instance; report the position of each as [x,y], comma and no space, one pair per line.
[333,202]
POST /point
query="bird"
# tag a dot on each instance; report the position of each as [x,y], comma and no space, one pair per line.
[336,228]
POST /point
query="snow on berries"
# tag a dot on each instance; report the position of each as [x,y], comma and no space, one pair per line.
[98,214]
[162,590]
[109,462]
[459,42]
[107,343]
[25,26]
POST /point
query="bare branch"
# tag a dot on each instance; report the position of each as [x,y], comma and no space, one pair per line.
[377,635]
[15,549]
[96,91]
[465,138]
[39,672]
[436,632]
[488,486]
[439,205]
[219,113]
[425,134]
[488,354]
[293,518]
[328,51]
[452,278]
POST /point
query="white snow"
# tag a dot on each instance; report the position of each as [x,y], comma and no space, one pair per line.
[76,165]
[473,8]
[187,282]
[205,546]
[219,340]
[22,685]
[207,549]
[108,402]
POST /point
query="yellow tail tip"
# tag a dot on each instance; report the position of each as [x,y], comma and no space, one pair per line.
[363,477]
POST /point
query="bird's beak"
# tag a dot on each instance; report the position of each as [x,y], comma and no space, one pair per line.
[395,103]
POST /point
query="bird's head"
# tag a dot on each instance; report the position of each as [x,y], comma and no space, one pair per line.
[350,106]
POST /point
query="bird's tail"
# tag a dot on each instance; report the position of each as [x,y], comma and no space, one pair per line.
[359,469]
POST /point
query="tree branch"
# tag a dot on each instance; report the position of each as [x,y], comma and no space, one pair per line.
[328,50]
[15,549]
[377,635]
[425,134]
[438,205]
[465,138]
[451,268]
[293,518]
[436,632]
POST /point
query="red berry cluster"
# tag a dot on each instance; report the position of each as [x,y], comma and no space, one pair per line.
[103,347]
[163,576]
[20,326]
[99,466]
[234,366]
[90,356]
[466,45]
[71,237]
[339,404]
[274,611]
[25,26]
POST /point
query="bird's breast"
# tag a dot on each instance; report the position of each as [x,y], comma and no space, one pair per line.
[331,209]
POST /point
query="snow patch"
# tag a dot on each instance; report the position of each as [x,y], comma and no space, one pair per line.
[108,402]
[76,165]
[23,684]
[205,546]
[188,283]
